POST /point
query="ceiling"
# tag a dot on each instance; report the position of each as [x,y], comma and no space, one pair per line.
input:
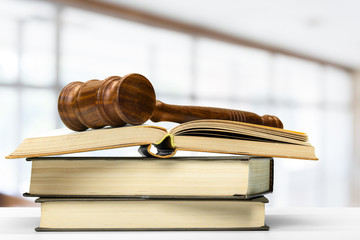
[325,29]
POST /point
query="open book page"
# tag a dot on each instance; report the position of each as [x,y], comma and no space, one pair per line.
[238,130]
[89,140]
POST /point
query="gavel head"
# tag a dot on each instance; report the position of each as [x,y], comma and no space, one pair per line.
[114,101]
[272,121]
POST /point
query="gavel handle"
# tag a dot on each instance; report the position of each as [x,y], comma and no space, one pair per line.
[181,114]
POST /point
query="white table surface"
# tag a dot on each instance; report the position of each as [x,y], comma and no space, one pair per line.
[285,223]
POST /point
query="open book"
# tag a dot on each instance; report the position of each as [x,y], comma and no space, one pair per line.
[217,136]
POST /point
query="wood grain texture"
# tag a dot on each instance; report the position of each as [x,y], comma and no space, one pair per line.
[181,114]
[131,99]
[67,106]
[114,101]
[87,105]
[136,99]
[107,101]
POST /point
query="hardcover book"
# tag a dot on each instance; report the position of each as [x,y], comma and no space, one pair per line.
[136,214]
[218,136]
[125,176]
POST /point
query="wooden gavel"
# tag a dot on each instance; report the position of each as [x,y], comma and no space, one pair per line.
[131,99]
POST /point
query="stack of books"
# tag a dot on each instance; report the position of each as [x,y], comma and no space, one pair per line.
[159,191]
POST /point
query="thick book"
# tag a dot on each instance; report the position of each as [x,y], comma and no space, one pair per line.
[144,214]
[218,136]
[130,176]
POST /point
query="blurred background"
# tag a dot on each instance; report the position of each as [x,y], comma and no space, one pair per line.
[298,60]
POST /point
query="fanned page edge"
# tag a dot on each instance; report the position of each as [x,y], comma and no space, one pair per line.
[244,151]
[236,122]
[18,153]
[178,128]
